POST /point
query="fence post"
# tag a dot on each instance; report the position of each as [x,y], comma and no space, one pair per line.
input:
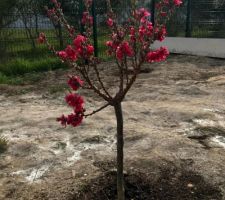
[153,12]
[95,34]
[188,19]
[81,9]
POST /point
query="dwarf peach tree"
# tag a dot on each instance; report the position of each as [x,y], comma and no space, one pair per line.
[129,45]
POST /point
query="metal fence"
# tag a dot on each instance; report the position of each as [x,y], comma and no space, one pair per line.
[196,18]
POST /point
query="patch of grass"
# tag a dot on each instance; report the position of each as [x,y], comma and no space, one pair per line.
[20,66]
[10,80]
[3,144]
[22,70]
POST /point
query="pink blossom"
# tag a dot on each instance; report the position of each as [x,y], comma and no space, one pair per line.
[109,44]
[144,12]
[132,30]
[42,38]
[145,30]
[90,49]
[142,31]
[74,119]
[160,33]
[74,100]
[119,53]
[84,18]
[149,28]
[79,40]
[112,47]
[110,22]
[127,49]
[71,53]
[62,55]
[124,50]
[75,82]
[87,19]
[132,34]
[158,55]
[177,2]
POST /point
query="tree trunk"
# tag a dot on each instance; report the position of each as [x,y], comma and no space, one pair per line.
[120,142]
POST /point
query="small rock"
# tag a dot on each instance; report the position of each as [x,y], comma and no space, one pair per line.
[190,185]
[73,173]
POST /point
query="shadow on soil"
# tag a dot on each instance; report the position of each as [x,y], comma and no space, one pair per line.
[169,184]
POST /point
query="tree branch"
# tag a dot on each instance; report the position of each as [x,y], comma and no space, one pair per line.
[126,68]
[98,110]
[100,81]
[86,77]
[132,80]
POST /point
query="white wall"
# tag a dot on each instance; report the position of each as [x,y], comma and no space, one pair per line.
[195,46]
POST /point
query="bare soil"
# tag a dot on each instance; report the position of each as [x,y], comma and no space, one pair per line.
[174,136]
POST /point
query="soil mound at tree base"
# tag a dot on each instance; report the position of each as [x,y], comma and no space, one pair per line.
[171,184]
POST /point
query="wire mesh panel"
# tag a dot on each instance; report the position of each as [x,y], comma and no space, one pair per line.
[19,33]
[208,18]
[176,26]
[20,28]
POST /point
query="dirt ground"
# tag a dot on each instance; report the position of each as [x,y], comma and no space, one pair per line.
[174,136]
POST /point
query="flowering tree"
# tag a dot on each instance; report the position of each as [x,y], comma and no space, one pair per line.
[129,45]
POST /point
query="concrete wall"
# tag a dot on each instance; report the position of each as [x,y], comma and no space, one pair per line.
[195,46]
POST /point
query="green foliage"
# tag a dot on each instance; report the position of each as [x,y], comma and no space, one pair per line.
[25,69]
[20,66]
[10,80]
[3,144]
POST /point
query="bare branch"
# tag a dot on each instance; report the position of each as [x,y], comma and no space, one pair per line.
[94,88]
[133,79]
[126,68]
[98,110]
[100,80]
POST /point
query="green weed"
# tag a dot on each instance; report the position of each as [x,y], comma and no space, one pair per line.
[3,144]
